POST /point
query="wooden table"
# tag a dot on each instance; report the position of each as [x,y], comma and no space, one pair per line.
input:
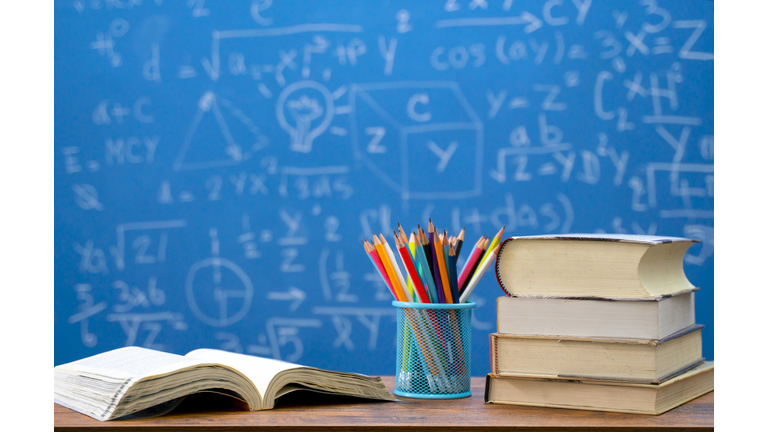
[300,412]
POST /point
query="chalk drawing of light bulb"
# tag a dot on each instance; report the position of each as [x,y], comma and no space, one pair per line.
[303,110]
[306,103]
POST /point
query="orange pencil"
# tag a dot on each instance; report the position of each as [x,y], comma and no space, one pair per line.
[443,272]
[388,266]
[396,268]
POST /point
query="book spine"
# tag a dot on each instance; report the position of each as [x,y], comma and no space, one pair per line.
[498,303]
[494,355]
[496,267]
[487,388]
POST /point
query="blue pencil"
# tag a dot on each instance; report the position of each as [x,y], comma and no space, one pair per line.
[430,282]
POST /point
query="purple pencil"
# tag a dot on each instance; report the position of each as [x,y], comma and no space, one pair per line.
[438,279]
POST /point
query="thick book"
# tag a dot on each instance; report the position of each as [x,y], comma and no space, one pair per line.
[602,395]
[613,266]
[632,360]
[128,380]
[654,318]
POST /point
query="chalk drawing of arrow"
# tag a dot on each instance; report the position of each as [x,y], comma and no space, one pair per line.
[533,22]
[293,293]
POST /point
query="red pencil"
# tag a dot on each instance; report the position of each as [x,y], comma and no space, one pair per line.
[415,279]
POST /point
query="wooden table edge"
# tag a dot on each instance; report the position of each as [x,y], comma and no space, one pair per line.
[409,415]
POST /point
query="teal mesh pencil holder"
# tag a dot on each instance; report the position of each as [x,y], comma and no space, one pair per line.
[434,348]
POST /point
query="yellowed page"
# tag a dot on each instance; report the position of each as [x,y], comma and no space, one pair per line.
[258,369]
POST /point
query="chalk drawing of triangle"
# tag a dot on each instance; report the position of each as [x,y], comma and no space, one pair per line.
[209,142]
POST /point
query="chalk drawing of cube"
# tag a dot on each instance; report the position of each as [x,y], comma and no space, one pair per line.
[421,139]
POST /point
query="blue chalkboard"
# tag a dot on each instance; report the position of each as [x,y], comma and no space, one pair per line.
[217,164]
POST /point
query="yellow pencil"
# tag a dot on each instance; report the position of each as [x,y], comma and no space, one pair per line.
[496,241]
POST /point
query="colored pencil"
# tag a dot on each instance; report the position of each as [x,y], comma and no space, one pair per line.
[398,276]
[483,248]
[374,256]
[430,281]
[403,241]
[473,257]
[399,294]
[407,352]
[435,266]
[396,267]
[443,273]
[427,348]
[416,261]
[446,241]
[454,278]
[409,285]
[474,248]
[496,240]
[407,276]
[409,267]
[459,242]
[478,274]
[427,251]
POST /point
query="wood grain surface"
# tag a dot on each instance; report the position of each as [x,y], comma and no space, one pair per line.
[303,411]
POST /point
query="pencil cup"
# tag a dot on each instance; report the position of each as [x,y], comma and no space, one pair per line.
[434,346]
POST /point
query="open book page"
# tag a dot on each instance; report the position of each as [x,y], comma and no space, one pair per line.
[258,369]
[131,362]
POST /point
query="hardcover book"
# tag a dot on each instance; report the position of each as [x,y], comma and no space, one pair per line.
[638,360]
[637,398]
[650,318]
[612,266]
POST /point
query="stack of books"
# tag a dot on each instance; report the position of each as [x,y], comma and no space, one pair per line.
[600,322]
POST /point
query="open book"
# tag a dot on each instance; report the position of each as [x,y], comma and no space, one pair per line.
[127,380]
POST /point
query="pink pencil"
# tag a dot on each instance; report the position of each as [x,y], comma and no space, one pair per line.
[469,265]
